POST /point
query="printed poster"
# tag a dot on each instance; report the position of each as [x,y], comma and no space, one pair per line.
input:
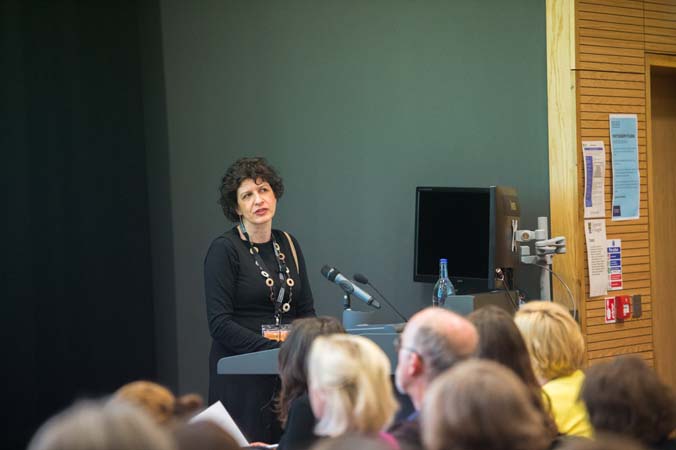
[597,256]
[594,157]
[626,177]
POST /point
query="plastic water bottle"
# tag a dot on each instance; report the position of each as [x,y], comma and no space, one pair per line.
[443,287]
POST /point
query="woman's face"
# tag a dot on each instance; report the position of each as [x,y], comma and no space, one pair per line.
[256,202]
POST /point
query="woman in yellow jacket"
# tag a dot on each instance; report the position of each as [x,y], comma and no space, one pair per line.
[556,348]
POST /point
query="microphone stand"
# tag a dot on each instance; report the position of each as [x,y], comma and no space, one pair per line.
[347,301]
[352,318]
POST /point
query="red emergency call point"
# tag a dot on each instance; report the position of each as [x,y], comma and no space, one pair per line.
[618,308]
[622,307]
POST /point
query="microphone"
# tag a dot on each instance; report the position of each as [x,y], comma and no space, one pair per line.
[334,275]
[360,278]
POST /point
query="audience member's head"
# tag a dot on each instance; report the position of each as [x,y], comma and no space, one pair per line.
[352,442]
[480,405]
[204,435]
[601,441]
[158,401]
[625,396]
[501,341]
[293,358]
[433,340]
[349,385]
[89,425]
[553,338]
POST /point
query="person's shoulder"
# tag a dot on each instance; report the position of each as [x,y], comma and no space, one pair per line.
[224,244]
[300,404]
[282,234]
[302,400]
[565,382]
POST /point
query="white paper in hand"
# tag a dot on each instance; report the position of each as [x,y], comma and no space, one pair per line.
[217,414]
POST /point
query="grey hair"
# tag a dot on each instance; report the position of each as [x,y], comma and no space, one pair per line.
[96,425]
[438,352]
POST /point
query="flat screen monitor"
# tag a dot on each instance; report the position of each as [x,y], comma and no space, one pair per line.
[458,224]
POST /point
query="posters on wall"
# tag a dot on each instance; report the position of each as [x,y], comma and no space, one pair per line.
[626,176]
[594,159]
[597,256]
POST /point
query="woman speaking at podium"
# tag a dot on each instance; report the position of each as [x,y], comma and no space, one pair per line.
[255,279]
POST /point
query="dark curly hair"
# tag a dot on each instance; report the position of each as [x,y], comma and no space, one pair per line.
[255,168]
[625,396]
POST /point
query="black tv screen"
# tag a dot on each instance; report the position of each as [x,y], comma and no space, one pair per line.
[457,224]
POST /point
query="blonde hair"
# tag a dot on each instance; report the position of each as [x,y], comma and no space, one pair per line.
[480,404]
[354,375]
[553,338]
[158,401]
[93,425]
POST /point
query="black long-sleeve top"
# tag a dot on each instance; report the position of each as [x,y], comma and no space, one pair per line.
[238,301]
[299,431]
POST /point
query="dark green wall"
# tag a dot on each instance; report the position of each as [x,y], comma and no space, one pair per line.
[356,103]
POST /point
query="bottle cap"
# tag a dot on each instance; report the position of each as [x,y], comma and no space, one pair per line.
[443,260]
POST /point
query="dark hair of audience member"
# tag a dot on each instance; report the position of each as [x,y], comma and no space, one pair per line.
[625,396]
[601,441]
[478,405]
[292,358]
[158,401]
[352,441]
[95,425]
[501,341]
[204,435]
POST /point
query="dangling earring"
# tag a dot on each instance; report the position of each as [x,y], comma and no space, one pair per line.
[242,228]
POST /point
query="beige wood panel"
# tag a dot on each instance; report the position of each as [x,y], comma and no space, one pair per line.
[614,335]
[610,34]
[645,339]
[635,4]
[634,9]
[602,16]
[666,6]
[626,325]
[625,349]
[610,40]
[566,218]
[661,94]
[611,79]
[626,29]
[611,44]
[612,100]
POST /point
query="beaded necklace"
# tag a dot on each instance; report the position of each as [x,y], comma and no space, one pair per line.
[282,271]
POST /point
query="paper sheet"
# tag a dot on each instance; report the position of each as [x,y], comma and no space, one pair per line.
[597,256]
[594,157]
[217,414]
[626,177]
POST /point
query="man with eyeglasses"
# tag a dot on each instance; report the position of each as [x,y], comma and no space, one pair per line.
[433,340]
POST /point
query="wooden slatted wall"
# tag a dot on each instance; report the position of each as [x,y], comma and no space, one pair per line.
[612,38]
